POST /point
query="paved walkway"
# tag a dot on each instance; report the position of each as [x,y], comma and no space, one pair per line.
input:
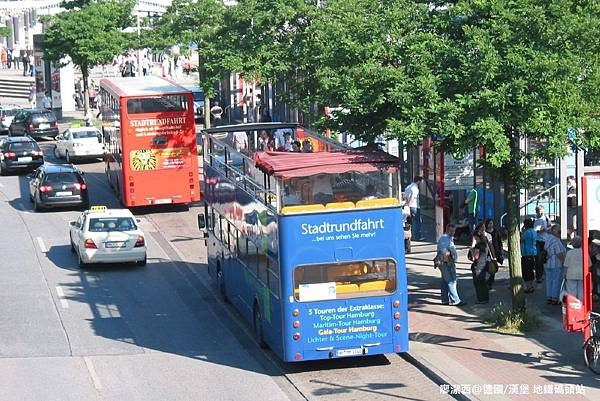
[458,346]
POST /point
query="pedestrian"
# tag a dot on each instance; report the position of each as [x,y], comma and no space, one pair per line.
[573,269]
[4,57]
[528,254]
[411,197]
[25,60]
[571,204]
[16,60]
[46,101]
[594,250]
[541,224]
[556,252]
[479,256]
[446,253]
[31,64]
[495,239]
[32,95]
[472,204]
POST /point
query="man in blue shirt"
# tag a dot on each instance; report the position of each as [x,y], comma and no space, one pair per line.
[446,251]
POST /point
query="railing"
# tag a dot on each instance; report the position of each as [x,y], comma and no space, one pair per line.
[536,198]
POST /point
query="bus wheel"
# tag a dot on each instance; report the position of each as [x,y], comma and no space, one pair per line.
[258,327]
[221,283]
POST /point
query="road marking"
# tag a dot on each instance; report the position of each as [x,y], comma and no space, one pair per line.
[90,367]
[61,296]
[40,242]
[1,185]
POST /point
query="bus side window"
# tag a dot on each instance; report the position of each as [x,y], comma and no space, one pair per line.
[263,266]
[252,257]
[232,238]
[217,229]
[274,277]
[243,248]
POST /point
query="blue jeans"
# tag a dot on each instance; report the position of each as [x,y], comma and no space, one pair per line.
[415,222]
[553,282]
[448,284]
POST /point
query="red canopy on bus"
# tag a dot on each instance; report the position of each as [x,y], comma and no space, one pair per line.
[296,164]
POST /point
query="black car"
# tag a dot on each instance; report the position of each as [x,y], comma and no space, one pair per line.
[35,123]
[19,153]
[58,185]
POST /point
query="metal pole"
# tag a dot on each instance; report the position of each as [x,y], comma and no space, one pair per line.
[139,61]
[587,276]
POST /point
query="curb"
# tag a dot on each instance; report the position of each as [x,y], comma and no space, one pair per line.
[432,375]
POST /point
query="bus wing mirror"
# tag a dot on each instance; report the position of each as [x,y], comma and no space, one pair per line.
[201,221]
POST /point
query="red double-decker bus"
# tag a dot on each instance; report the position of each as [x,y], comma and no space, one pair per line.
[150,140]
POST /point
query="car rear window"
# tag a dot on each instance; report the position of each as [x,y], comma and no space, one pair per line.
[86,134]
[48,116]
[62,178]
[21,146]
[10,112]
[101,224]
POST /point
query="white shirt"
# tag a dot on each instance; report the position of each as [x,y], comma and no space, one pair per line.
[411,195]
[240,140]
[279,136]
[46,102]
[574,264]
[554,247]
[541,223]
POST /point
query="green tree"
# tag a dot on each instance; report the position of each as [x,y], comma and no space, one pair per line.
[90,36]
[199,22]
[5,31]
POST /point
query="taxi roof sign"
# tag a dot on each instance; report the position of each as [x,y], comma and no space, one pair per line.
[98,209]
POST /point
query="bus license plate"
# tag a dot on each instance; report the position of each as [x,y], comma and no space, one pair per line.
[162,201]
[66,193]
[115,244]
[351,352]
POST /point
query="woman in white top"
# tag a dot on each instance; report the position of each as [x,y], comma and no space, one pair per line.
[573,269]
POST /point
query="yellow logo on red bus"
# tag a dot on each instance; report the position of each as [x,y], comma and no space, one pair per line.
[142,160]
[153,159]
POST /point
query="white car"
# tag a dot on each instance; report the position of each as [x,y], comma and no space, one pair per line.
[102,235]
[83,142]
[7,114]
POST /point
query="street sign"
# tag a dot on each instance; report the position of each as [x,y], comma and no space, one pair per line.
[458,174]
[593,201]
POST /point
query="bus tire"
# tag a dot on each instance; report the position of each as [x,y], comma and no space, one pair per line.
[258,327]
[221,283]
[407,245]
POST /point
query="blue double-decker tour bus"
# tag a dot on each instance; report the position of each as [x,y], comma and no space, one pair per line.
[307,244]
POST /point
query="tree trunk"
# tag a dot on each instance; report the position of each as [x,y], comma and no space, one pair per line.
[511,191]
[86,94]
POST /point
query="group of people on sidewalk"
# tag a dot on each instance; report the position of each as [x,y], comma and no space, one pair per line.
[544,257]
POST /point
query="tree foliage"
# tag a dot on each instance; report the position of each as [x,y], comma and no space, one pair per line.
[5,31]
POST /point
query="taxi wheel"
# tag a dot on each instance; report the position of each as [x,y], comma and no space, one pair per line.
[141,262]
[2,172]
[67,157]
[80,262]
[72,246]
[36,207]
[56,153]
[258,328]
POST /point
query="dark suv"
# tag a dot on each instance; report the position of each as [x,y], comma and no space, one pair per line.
[35,123]
[19,153]
[58,185]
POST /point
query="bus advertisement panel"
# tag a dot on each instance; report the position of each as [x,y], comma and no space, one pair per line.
[150,135]
[345,289]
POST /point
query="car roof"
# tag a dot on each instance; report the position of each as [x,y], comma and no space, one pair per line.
[9,107]
[19,139]
[37,111]
[82,129]
[60,168]
[109,213]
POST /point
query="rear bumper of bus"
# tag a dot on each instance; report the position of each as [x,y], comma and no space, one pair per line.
[320,353]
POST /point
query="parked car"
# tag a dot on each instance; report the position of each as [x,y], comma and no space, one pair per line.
[58,185]
[198,95]
[19,153]
[7,113]
[35,123]
[79,143]
[102,235]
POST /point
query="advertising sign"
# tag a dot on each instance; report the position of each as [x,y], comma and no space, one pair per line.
[458,174]
[593,202]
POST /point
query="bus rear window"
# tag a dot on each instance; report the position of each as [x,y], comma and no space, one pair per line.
[158,104]
[344,280]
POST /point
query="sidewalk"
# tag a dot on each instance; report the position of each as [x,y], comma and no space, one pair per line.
[458,346]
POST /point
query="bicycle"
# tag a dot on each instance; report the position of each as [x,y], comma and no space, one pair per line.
[591,348]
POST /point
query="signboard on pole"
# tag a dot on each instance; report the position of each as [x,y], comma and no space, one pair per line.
[593,202]
[458,174]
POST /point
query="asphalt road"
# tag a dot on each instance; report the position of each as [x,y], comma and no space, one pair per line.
[153,333]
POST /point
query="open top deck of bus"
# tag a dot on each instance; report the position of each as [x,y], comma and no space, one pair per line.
[326,175]
[142,86]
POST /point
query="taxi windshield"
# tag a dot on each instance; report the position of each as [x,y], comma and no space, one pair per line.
[104,224]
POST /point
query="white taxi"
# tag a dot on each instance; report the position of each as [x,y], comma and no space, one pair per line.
[102,235]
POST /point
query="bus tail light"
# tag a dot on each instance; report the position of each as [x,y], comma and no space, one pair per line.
[298,356]
[296,312]
[397,315]
[89,244]
[140,241]
[397,327]
[296,336]
[296,324]
[396,304]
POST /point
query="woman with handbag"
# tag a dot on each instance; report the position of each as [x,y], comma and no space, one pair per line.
[480,250]
[528,254]
[495,241]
